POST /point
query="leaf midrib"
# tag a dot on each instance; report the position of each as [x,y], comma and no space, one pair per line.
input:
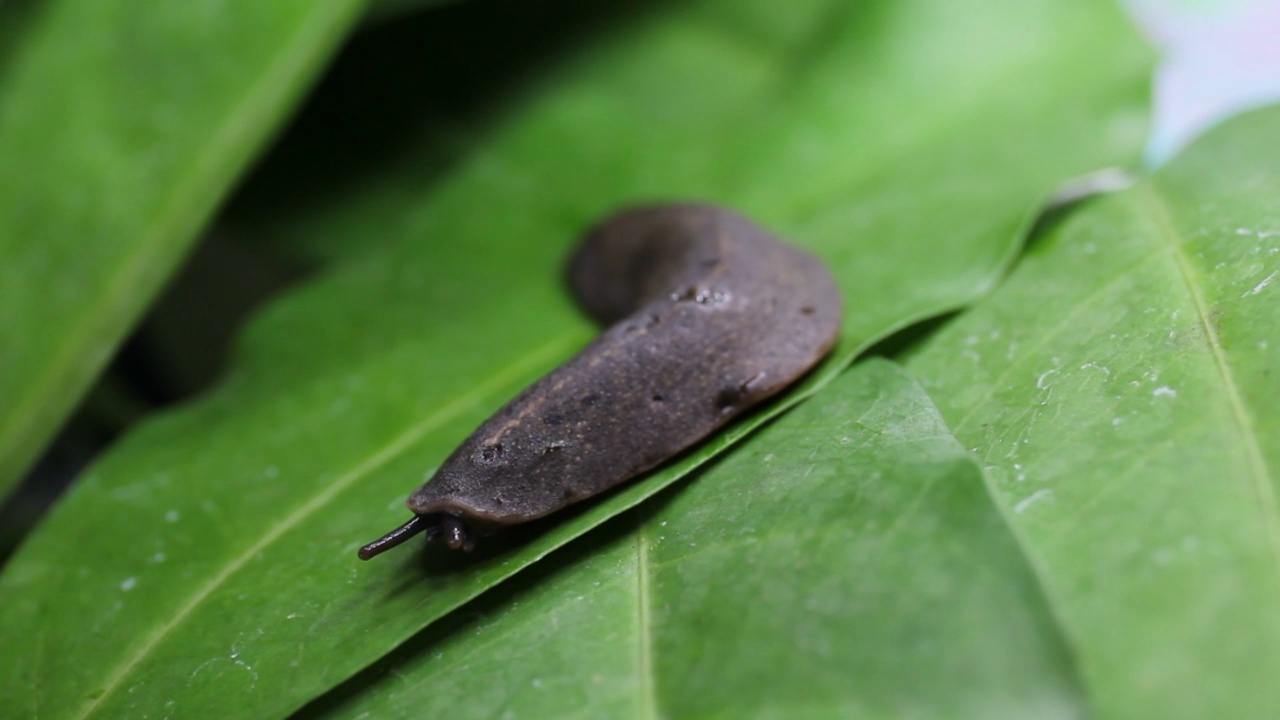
[1168,235]
[1259,471]
[648,700]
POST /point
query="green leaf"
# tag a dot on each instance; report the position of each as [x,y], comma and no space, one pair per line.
[1121,389]
[122,125]
[210,555]
[846,561]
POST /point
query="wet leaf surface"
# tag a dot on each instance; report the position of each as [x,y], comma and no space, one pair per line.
[1120,390]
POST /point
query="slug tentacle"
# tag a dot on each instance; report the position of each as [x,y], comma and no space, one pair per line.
[708,315]
[418,524]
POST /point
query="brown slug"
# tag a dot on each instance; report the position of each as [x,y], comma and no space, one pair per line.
[708,314]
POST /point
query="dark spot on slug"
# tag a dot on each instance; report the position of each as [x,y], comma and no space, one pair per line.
[623,274]
[727,398]
[491,453]
[731,397]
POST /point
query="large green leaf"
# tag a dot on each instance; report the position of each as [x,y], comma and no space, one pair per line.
[846,561]
[122,124]
[210,555]
[1121,389]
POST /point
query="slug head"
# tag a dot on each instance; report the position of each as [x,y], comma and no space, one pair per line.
[450,529]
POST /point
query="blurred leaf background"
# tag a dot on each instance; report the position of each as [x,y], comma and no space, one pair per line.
[261,268]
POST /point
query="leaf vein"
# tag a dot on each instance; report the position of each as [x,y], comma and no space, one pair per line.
[644,634]
[1259,472]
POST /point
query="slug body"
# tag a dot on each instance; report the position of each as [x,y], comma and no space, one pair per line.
[708,314]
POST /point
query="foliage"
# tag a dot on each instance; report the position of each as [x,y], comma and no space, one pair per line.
[846,557]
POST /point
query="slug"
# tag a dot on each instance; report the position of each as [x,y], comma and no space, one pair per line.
[707,314]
